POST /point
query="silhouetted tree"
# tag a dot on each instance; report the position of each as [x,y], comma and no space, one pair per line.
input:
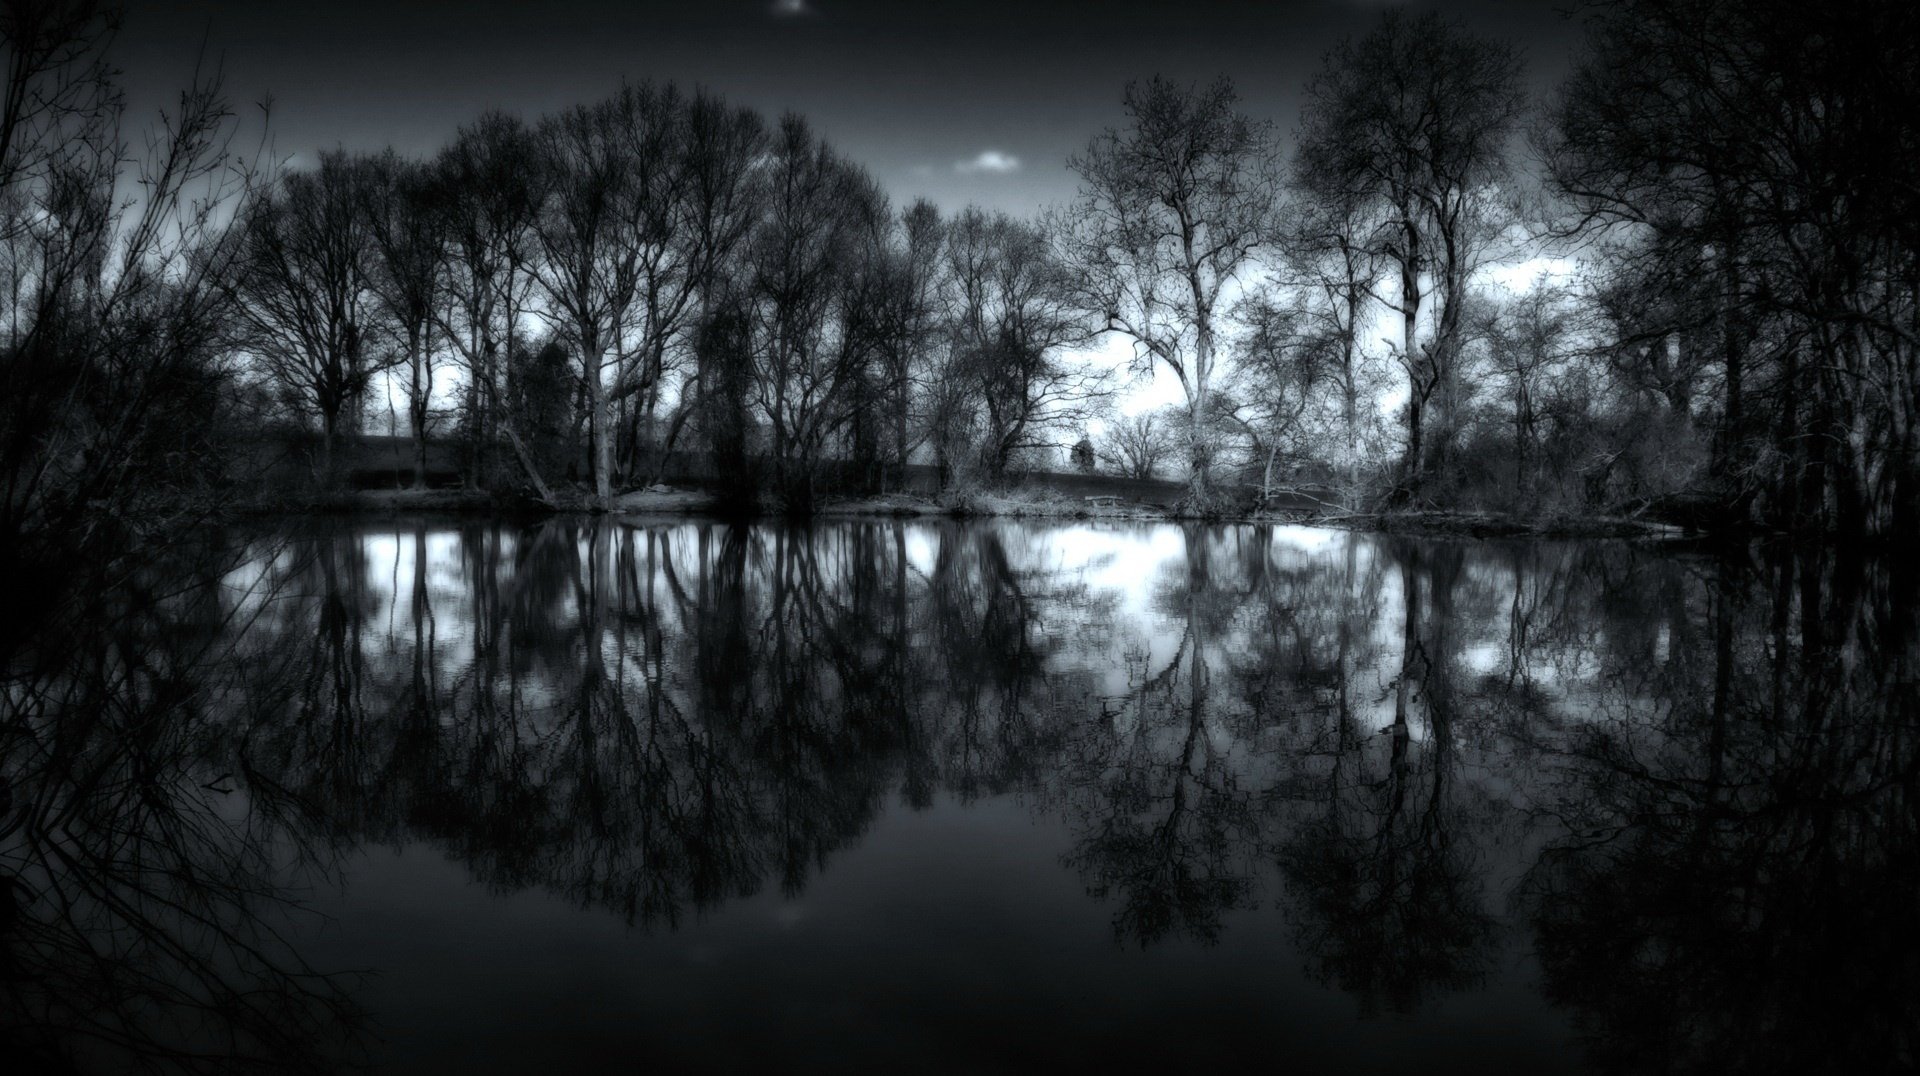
[405,210]
[589,268]
[118,396]
[813,279]
[1739,162]
[1528,338]
[1012,316]
[303,283]
[1403,144]
[1083,457]
[487,180]
[692,232]
[1325,249]
[726,419]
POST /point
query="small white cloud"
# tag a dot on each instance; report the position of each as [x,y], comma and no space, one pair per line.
[990,161]
[789,8]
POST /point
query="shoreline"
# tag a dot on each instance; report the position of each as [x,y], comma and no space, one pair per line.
[1013,505]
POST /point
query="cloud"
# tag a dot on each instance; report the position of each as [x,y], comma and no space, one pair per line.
[787,9]
[990,162]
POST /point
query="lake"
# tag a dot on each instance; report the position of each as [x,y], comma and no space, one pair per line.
[445,796]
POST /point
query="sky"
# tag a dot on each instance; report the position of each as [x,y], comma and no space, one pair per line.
[960,101]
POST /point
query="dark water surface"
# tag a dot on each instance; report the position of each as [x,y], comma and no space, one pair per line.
[929,796]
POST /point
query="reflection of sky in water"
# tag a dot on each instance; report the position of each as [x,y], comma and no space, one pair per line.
[809,786]
[1127,567]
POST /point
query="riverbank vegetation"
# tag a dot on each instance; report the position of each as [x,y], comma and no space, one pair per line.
[1711,226]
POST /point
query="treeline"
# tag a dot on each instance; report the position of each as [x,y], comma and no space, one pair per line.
[1732,333]
[656,271]
[575,299]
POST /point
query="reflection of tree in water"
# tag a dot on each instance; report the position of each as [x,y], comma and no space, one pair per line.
[1383,883]
[1163,788]
[1737,889]
[732,704]
[668,781]
[143,898]
[658,720]
[999,696]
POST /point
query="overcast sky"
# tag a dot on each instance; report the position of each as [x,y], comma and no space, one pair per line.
[977,101]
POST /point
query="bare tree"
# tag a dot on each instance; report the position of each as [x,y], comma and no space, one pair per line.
[811,326]
[59,94]
[1403,145]
[404,210]
[916,321]
[1526,339]
[652,225]
[1282,361]
[489,192]
[304,284]
[588,268]
[1334,269]
[1745,163]
[114,374]
[1171,211]
[695,216]
[1014,311]
[1137,445]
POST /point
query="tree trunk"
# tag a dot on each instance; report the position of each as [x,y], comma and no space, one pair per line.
[417,408]
[1415,407]
[1522,426]
[1733,343]
[1200,463]
[900,419]
[470,455]
[1350,408]
[590,361]
[329,420]
[1409,335]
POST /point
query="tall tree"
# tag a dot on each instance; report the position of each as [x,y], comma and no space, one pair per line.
[1172,209]
[1749,160]
[1527,338]
[1282,360]
[688,241]
[1404,139]
[724,354]
[809,255]
[588,268]
[915,320]
[1333,269]
[304,283]
[404,210]
[489,190]
[115,374]
[1014,312]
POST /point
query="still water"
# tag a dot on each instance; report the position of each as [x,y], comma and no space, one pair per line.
[491,797]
